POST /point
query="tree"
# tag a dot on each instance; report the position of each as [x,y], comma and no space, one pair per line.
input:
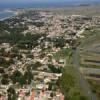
[18,77]
[54,69]
[11,94]
[28,76]
[4,81]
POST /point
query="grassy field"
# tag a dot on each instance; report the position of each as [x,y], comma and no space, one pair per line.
[68,82]
[62,54]
[69,85]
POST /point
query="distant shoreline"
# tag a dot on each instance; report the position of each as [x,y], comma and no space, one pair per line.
[92,10]
[14,13]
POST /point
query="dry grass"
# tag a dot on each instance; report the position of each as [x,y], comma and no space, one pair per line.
[83,10]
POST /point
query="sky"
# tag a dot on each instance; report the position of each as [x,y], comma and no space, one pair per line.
[41,3]
[23,1]
[6,2]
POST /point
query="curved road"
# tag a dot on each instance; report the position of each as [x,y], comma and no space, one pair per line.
[83,83]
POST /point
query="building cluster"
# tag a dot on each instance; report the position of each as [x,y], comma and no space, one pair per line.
[44,69]
[33,73]
[51,23]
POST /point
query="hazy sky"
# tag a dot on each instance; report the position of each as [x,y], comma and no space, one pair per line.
[42,3]
[12,1]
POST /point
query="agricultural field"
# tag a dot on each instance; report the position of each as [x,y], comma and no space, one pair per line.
[90,59]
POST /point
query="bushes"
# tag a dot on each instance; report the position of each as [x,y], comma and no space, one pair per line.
[11,94]
[5,81]
[28,76]
[17,76]
[34,66]
[53,69]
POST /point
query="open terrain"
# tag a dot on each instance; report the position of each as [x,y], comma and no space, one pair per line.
[93,10]
[53,50]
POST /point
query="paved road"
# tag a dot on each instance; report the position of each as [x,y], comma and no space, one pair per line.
[83,83]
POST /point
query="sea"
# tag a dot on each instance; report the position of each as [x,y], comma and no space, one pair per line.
[5,14]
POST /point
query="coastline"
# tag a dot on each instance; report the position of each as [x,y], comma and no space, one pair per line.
[78,10]
[14,13]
